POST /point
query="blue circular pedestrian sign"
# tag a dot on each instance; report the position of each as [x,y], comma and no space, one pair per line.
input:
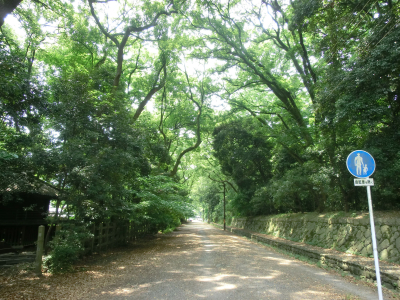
[360,163]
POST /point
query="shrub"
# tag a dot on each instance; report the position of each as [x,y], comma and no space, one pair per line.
[67,247]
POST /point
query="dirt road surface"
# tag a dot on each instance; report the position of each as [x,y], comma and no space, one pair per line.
[197,261]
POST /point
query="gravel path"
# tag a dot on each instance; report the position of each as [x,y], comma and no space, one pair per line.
[197,261]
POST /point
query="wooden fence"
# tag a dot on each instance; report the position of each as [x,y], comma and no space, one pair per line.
[108,235]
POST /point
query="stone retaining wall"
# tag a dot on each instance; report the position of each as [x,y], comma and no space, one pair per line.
[334,231]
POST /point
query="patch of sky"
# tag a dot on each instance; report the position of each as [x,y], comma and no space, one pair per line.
[12,22]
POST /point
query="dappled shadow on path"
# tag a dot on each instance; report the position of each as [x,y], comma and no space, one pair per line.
[199,261]
[196,261]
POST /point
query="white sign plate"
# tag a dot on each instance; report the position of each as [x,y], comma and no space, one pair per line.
[363,182]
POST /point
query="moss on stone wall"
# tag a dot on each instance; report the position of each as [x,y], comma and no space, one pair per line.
[346,232]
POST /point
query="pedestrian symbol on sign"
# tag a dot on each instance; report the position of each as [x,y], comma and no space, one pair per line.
[358,161]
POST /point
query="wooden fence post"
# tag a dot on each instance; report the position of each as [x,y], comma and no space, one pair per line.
[58,228]
[100,239]
[107,235]
[39,251]
[94,236]
[114,234]
[131,232]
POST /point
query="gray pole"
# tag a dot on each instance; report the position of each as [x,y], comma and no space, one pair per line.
[375,249]
[224,207]
[39,250]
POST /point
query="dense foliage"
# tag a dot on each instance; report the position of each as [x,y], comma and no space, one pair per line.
[320,82]
[114,104]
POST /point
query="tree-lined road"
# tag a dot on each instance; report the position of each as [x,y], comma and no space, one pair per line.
[148,111]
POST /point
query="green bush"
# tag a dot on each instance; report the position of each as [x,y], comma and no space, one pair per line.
[168,230]
[67,247]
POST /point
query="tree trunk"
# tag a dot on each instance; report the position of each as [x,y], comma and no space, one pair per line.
[7,7]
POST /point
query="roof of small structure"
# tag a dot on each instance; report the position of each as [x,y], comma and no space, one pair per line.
[32,186]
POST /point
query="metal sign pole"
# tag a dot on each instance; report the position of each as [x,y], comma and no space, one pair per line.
[375,249]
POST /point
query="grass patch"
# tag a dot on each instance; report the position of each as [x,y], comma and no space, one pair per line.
[169,230]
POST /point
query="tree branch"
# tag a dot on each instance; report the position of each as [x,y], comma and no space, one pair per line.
[154,90]
[198,130]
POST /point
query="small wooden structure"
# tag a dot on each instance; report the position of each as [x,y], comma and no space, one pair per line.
[22,210]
